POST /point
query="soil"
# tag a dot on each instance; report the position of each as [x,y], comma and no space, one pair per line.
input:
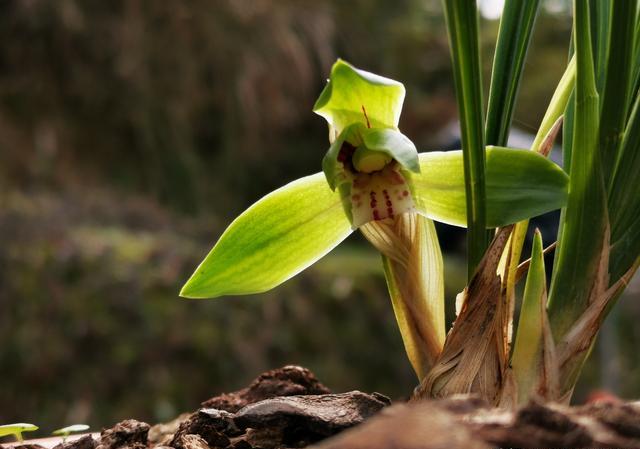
[289,408]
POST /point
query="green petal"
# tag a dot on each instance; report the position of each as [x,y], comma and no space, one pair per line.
[394,144]
[349,90]
[273,240]
[519,185]
[330,165]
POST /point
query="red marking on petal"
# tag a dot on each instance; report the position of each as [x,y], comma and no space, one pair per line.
[376,214]
[405,193]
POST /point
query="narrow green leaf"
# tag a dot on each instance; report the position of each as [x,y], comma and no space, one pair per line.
[356,96]
[276,238]
[514,36]
[624,199]
[635,83]
[462,27]
[557,104]
[615,96]
[600,12]
[625,250]
[526,357]
[520,184]
[582,233]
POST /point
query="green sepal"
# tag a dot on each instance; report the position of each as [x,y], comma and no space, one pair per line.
[519,185]
[276,238]
[349,90]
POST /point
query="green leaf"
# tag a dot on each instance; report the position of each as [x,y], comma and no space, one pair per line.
[529,345]
[615,96]
[351,92]
[394,144]
[624,199]
[585,219]
[276,238]
[462,27]
[520,184]
[514,36]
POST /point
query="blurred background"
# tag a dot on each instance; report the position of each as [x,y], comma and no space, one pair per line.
[133,131]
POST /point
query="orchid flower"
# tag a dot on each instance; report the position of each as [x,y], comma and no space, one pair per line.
[375,180]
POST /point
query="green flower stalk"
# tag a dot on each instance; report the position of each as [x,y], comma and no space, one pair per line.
[375,180]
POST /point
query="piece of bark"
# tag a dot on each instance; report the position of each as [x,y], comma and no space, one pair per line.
[290,380]
[129,433]
[312,417]
[86,442]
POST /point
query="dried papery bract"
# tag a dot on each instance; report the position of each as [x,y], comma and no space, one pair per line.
[413,266]
[474,357]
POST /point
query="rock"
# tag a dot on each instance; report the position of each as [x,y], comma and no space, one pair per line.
[312,417]
[131,434]
[290,380]
[86,442]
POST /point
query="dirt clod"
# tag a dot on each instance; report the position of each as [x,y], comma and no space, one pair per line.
[209,428]
[357,420]
[129,434]
[191,441]
[86,442]
[290,380]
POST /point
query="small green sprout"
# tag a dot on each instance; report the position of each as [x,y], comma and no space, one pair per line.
[66,431]
[16,429]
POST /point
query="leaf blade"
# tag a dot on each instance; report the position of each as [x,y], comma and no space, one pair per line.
[462,26]
[516,26]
